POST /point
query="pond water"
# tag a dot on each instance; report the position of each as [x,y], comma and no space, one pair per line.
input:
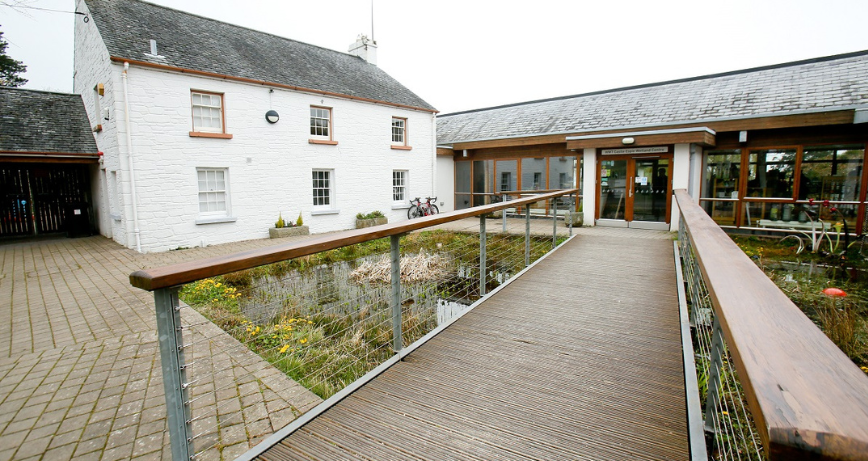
[812,268]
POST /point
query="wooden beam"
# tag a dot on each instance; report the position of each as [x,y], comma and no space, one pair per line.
[703,138]
[179,274]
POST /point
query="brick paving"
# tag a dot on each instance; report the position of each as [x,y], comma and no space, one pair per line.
[80,373]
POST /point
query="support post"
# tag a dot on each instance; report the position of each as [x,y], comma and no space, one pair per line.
[482,266]
[527,235]
[174,374]
[575,207]
[715,363]
[554,223]
[397,339]
[503,213]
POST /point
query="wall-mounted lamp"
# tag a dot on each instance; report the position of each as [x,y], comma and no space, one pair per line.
[628,141]
[272,116]
[742,136]
[464,154]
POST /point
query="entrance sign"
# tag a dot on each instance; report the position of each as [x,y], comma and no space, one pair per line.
[636,150]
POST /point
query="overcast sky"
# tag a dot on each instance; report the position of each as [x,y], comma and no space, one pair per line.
[467,54]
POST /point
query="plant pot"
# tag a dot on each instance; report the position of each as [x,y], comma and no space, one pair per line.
[576,217]
[362,223]
[278,233]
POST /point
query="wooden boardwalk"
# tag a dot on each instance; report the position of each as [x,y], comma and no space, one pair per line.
[580,358]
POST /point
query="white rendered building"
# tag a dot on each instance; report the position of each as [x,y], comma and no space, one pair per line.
[210,131]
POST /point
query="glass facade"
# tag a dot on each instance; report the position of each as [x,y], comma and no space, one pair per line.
[784,188]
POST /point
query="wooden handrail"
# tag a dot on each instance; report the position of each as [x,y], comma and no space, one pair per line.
[179,274]
[809,401]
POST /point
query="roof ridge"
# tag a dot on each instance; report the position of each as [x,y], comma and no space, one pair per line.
[31,90]
[241,27]
[669,82]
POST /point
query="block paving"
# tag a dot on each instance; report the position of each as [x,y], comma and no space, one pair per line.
[80,373]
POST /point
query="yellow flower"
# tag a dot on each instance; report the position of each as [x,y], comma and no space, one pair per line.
[865,369]
[302,340]
[309,322]
[218,285]
[284,348]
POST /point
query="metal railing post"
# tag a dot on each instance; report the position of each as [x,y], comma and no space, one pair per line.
[554,223]
[169,334]
[482,269]
[715,363]
[571,216]
[397,338]
[503,213]
[527,235]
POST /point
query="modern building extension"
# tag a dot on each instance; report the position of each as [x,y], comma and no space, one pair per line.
[752,146]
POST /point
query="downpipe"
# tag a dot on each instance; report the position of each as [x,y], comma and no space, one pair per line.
[136,231]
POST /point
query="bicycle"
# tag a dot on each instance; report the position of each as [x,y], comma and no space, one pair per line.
[419,208]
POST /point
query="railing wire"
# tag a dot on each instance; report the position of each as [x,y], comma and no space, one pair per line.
[730,429]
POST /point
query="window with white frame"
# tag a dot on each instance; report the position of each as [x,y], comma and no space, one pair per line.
[207,112]
[399,185]
[399,131]
[213,191]
[323,188]
[320,122]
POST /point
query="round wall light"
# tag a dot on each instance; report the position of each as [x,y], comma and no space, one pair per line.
[627,141]
[272,116]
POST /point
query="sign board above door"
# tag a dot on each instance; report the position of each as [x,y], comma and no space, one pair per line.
[635,150]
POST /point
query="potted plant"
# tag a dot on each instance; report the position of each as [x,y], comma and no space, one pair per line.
[283,228]
[374,218]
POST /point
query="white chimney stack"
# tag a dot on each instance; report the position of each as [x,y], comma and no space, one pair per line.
[365,48]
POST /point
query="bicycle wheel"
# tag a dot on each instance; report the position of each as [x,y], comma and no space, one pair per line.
[433,209]
[413,212]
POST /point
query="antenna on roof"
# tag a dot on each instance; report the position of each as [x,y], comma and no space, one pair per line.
[372,22]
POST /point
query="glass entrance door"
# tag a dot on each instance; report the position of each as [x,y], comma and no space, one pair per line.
[634,191]
[613,189]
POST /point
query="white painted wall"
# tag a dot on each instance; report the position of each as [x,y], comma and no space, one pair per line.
[680,178]
[589,185]
[269,166]
[445,183]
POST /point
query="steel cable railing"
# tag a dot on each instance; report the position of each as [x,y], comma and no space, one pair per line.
[245,352]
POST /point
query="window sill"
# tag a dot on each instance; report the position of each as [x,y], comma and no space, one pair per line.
[323,142]
[402,206]
[202,134]
[324,212]
[402,148]
[216,220]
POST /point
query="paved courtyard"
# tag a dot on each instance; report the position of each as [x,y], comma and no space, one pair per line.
[80,370]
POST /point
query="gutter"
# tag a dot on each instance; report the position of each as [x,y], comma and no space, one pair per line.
[131,159]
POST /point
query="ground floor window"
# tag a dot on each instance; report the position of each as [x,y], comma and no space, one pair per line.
[480,182]
[783,187]
[323,188]
[213,191]
[399,185]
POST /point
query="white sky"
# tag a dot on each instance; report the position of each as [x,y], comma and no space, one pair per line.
[468,54]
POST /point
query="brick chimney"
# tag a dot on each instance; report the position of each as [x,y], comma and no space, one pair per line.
[365,48]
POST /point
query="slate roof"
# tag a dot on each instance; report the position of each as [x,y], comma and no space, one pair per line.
[830,83]
[193,42]
[38,121]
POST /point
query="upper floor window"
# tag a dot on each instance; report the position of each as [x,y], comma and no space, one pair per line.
[321,125]
[207,112]
[399,133]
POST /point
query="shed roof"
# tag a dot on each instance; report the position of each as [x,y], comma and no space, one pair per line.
[39,121]
[822,84]
[191,42]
